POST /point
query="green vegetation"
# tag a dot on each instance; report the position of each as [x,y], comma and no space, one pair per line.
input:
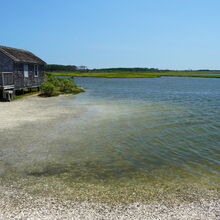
[71,70]
[138,75]
[55,86]
[135,70]
[55,67]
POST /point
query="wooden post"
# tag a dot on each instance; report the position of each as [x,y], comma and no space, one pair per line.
[9,97]
[13,94]
[3,94]
[3,81]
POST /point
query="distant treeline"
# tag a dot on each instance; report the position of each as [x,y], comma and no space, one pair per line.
[73,68]
[136,69]
[55,68]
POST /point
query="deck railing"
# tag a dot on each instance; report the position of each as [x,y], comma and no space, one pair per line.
[6,79]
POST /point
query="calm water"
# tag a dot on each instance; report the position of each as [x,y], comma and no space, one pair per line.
[152,124]
[141,137]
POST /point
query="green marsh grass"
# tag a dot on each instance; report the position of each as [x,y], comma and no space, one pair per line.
[137,75]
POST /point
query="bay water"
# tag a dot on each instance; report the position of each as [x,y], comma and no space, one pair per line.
[138,139]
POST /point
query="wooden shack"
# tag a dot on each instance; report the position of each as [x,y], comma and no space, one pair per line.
[19,69]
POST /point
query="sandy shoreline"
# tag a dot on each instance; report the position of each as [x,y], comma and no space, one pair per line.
[32,109]
[16,203]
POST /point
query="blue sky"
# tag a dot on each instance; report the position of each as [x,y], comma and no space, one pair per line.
[174,34]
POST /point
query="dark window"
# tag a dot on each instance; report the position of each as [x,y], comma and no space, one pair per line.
[36,70]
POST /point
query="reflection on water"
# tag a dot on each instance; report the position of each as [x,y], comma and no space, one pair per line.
[155,136]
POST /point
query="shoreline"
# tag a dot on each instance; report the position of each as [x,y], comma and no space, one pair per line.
[22,199]
[32,108]
[15,204]
[135,75]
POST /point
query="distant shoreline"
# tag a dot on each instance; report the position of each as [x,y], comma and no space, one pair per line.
[135,74]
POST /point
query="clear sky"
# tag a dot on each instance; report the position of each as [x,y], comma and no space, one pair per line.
[174,34]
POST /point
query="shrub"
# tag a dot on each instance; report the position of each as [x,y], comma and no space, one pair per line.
[50,78]
[47,89]
[55,86]
[67,86]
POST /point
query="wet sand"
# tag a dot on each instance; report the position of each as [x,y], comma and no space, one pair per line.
[17,203]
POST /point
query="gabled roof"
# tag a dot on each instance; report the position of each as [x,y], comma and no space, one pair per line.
[21,56]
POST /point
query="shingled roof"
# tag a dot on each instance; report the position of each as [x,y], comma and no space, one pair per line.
[21,56]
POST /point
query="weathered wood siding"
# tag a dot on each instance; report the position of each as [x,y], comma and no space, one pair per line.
[1,83]
[6,65]
[7,78]
[31,81]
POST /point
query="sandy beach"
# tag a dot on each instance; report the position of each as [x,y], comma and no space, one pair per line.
[32,109]
[17,203]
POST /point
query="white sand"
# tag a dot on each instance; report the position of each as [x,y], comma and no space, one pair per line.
[32,109]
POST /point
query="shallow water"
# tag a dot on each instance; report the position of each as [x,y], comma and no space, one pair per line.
[156,123]
[138,137]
